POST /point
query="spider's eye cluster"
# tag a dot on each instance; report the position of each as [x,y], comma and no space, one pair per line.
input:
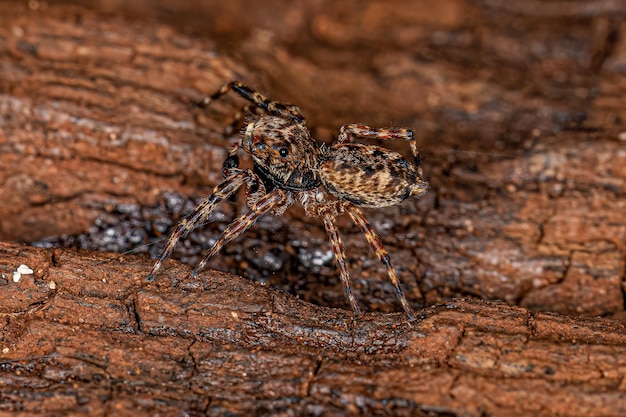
[261,146]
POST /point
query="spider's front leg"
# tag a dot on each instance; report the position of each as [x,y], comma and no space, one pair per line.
[274,201]
[286,111]
[235,179]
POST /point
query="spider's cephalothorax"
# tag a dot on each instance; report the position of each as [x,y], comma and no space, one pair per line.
[283,151]
[290,166]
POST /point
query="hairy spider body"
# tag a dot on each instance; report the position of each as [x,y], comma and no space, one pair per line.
[368,176]
[289,166]
[283,151]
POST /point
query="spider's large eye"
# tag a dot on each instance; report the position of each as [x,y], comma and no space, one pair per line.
[283,152]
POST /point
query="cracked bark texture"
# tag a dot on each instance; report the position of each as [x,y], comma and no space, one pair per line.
[100,341]
[518,111]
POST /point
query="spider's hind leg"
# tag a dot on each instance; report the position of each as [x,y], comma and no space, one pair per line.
[349,131]
[381,253]
[340,257]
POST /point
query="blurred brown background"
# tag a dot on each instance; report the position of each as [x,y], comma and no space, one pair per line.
[518,109]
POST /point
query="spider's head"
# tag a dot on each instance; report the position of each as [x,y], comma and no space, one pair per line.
[283,151]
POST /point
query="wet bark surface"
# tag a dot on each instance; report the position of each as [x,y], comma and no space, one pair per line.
[518,113]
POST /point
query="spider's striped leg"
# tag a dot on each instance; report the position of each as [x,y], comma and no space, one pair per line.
[288,111]
[347,132]
[205,102]
[340,256]
[263,205]
[381,253]
[200,215]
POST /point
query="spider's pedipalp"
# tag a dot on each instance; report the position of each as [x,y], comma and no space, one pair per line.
[340,257]
[201,214]
[377,246]
[265,204]
[231,163]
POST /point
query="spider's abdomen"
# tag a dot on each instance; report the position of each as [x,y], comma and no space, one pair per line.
[368,175]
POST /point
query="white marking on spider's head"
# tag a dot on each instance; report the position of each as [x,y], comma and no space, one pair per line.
[246,139]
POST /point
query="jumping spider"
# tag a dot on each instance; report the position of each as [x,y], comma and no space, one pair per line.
[290,166]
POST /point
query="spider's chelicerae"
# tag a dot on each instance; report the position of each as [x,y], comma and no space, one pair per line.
[328,181]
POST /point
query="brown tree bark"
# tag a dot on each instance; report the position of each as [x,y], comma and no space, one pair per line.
[85,334]
[526,206]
